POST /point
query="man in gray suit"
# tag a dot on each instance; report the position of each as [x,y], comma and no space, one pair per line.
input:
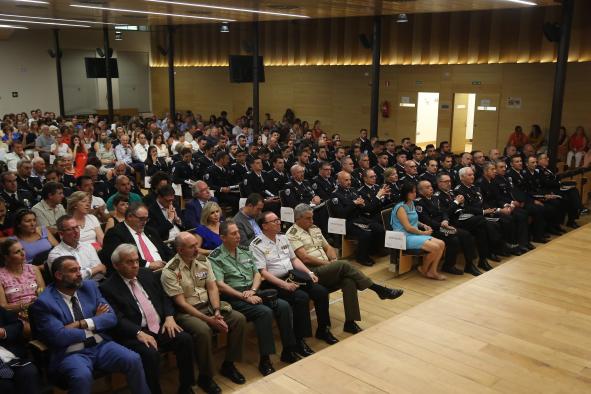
[246,218]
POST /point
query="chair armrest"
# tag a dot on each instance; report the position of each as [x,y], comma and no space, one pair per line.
[37,345]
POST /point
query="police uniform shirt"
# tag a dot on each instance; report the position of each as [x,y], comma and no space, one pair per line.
[275,181]
[191,281]
[274,256]
[298,192]
[431,178]
[323,187]
[312,241]
[239,172]
[217,177]
[236,271]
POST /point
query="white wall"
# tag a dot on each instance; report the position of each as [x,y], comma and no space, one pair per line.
[27,68]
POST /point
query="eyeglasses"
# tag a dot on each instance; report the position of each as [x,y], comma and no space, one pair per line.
[274,221]
[142,218]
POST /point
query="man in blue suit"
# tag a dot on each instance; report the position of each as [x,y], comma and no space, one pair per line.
[192,212]
[71,317]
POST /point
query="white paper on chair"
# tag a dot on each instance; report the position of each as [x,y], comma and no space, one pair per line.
[337,226]
[395,240]
[147,181]
[241,203]
[211,193]
[178,189]
[287,214]
[51,159]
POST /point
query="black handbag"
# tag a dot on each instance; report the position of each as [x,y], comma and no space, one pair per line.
[298,277]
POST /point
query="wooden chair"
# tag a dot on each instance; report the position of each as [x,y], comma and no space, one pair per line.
[347,245]
[401,261]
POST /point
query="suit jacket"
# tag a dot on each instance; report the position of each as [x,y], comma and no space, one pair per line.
[192,213]
[14,341]
[159,222]
[51,314]
[246,231]
[120,235]
[129,316]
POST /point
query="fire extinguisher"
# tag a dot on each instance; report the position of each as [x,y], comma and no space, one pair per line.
[385,109]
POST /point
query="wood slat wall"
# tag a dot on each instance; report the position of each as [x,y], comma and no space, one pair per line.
[481,37]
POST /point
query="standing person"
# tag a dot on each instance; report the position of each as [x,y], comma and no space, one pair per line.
[405,219]
[145,319]
[190,282]
[239,282]
[276,260]
[71,317]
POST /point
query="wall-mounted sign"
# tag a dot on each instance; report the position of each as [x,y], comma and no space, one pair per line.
[513,102]
[15,94]
[476,82]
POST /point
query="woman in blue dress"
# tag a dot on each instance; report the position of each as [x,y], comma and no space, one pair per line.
[418,236]
[209,229]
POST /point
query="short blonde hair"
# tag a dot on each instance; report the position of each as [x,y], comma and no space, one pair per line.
[207,210]
[74,199]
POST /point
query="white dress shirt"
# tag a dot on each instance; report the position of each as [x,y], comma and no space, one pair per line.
[84,253]
[141,151]
[275,256]
[89,322]
[151,247]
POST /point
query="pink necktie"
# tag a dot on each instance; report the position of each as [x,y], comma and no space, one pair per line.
[147,307]
[145,251]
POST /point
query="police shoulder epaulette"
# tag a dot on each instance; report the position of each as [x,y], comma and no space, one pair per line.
[437,194]
[292,231]
[256,241]
[215,253]
[457,187]
[174,264]
[418,199]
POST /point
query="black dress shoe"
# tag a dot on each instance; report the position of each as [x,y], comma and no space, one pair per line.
[516,251]
[452,271]
[351,327]
[265,367]
[326,336]
[573,224]
[540,240]
[386,293]
[584,211]
[303,349]
[484,265]
[229,370]
[523,249]
[290,357]
[494,258]
[207,384]
[368,262]
[472,270]
[530,246]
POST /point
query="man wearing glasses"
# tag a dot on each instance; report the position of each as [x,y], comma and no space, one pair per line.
[69,232]
[275,258]
[410,173]
[133,230]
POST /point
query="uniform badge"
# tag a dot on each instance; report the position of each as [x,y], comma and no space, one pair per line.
[419,208]
[287,192]
[201,275]
[335,201]
[314,186]
[245,182]
[206,177]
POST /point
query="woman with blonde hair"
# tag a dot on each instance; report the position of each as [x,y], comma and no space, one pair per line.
[209,229]
[90,228]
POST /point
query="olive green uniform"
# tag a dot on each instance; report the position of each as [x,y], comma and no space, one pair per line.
[191,281]
[339,274]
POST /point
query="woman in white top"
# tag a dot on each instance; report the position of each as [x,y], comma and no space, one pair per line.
[161,148]
[60,148]
[90,228]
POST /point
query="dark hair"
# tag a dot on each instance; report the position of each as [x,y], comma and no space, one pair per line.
[158,177]
[18,217]
[262,218]
[220,155]
[5,250]
[81,179]
[58,263]
[50,188]
[133,208]
[407,188]
[119,198]
[60,221]
[224,226]
[184,151]
[253,199]
[165,191]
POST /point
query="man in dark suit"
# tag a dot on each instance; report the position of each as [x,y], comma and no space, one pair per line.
[71,317]
[163,214]
[14,197]
[133,230]
[17,374]
[192,212]
[145,318]
[219,178]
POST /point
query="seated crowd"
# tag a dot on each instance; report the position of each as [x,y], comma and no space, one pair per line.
[109,275]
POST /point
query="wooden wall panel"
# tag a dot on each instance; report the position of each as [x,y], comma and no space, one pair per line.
[495,36]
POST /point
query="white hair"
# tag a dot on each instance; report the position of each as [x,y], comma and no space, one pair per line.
[463,171]
[122,249]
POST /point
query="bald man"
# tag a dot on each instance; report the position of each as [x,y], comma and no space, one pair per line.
[347,204]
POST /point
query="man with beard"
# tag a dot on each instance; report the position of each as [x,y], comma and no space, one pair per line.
[72,318]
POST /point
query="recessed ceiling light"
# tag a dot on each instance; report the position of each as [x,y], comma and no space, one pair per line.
[41,23]
[32,1]
[150,12]
[402,18]
[56,19]
[217,7]
[522,2]
[224,28]
[12,27]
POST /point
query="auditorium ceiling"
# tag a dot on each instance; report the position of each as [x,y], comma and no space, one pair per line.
[93,13]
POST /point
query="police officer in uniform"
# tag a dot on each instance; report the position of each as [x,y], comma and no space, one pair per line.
[239,282]
[347,204]
[275,259]
[190,282]
[447,162]
[299,190]
[315,252]
[185,172]
[239,169]
[475,224]
[431,214]
[348,166]
[430,173]
[373,194]
[219,179]
[254,183]
[324,184]
[276,178]
[27,182]
[14,197]
[410,173]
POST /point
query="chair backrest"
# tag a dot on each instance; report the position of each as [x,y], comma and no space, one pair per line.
[329,207]
[282,198]
[386,213]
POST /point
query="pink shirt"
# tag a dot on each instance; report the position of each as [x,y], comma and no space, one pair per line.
[21,288]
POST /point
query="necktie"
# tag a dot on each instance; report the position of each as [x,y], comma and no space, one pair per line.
[5,371]
[78,315]
[147,307]
[145,251]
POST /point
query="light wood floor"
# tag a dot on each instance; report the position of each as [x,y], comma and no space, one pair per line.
[523,327]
